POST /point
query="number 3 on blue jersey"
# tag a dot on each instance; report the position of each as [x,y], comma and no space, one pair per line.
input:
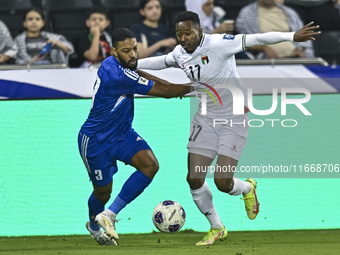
[99,175]
[95,89]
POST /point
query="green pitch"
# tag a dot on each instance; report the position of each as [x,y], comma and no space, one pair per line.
[298,242]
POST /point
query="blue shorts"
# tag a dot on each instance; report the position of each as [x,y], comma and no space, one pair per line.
[100,159]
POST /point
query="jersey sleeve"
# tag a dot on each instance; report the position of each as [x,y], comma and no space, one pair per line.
[129,82]
[228,45]
[170,58]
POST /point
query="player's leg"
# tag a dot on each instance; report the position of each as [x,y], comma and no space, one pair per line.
[199,188]
[100,172]
[202,196]
[96,203]
[147,166]
[146,162]
[202,151]
[224,177]
[226,182]
[101,194]
[232,140]
[102,169]
[99,197]
[137,153]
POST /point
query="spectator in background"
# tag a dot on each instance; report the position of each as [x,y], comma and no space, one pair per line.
[96,45]
[322,12]
[7,49]
[337,5]
[212,18]
[269,16]
[153,38]
[31,42]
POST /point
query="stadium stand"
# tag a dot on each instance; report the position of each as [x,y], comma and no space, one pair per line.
[123,13]
[67,17]
[11,13]
[327,46]
[172,9]
[232,7]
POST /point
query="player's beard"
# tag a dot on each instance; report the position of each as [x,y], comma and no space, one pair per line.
[128,64]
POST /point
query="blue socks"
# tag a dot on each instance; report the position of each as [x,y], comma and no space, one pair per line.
[95,207]
[117,205]
[131,189]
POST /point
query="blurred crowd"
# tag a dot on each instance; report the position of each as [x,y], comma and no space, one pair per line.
[36,45]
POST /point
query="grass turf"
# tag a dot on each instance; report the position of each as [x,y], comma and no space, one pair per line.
[238,243]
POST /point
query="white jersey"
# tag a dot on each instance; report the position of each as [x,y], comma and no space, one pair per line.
[212,63]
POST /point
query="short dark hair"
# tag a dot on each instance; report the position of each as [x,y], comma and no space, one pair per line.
[142,3]
[35,9]
[121,34]
[100,10]
[187,15]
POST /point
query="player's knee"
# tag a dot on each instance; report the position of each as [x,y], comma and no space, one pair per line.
[103,197]
[150,169]
[224,185]
[194,183]
[154,167]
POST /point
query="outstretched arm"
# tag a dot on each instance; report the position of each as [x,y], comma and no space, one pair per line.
[163,88]
[304,34]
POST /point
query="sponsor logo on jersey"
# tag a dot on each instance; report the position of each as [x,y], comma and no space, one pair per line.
[229,37]
[143,81]
[205,59]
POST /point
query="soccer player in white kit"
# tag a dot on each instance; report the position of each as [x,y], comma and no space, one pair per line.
[208,61]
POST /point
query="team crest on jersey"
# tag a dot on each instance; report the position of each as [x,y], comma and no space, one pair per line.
[205,59]
[143,81]
[229,37]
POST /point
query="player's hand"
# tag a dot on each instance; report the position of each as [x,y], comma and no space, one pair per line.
[306,33]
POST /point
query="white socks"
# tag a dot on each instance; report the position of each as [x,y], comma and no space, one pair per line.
[110,213]
[240,187]
[203,199]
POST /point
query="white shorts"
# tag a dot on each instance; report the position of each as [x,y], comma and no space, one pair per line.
[226,139]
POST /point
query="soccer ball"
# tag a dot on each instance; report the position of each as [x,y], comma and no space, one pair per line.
[168,216]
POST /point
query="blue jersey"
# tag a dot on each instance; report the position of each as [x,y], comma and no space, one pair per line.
[112,107]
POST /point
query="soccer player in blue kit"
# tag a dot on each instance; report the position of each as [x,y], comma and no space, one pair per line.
[107,135]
